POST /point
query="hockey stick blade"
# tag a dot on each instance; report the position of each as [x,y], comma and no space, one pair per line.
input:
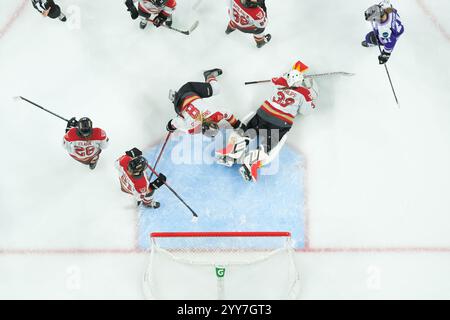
[186,32]
[194,26]
[339,73]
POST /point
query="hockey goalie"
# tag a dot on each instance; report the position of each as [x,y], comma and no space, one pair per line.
[295,94]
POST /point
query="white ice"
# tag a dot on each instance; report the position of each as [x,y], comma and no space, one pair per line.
[378,177]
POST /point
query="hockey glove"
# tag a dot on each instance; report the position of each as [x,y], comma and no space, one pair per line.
[72,123]
[132,9]
[240,126]
[383,57]
[170,127]
[159,20]
[210,129]
[158,182]
[135,152]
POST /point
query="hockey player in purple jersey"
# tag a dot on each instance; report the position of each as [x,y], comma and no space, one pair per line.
[387,28]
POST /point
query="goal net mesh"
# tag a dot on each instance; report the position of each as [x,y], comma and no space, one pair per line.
[221,265]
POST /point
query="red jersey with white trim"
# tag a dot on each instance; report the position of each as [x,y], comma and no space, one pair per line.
[247,18]
[286,104]
[195,112]
[148,7]
[85,149]
[137,186]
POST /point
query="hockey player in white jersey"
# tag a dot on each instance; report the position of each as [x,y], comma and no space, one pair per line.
[249,16]
[193,114]
[295,94]
[83,142]
[158,12]
[48,8]
[387,29]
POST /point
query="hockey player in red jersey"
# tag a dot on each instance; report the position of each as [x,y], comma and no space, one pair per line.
[249,16]
[155,11]
[134,180]
[194,116]
[295,94]
[83,142]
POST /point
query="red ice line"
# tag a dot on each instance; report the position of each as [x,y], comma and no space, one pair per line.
[112,251]
[13,18]
[433,18]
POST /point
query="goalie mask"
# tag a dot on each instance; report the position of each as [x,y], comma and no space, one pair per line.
[137,166]
[374,13]
[295,76]
[84,127]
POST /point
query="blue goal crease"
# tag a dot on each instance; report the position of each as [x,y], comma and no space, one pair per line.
[222,199]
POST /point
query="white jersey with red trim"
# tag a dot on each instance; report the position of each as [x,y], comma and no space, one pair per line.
[196,112]
[148,7]
[85,149]
[247,18]
[287,102]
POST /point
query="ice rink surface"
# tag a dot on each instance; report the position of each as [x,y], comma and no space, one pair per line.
[377,178]
[276,202]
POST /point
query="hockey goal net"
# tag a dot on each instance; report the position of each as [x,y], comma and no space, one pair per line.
[221,265]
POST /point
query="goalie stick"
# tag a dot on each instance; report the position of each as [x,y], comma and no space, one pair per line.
[317,75]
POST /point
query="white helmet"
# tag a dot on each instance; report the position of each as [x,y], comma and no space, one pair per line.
[295,78]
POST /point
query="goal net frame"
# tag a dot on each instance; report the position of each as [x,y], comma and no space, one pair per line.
[270,261]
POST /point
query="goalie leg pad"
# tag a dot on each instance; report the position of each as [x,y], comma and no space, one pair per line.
[234,151]
[254,160]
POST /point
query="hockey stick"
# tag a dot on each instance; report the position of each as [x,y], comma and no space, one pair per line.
[194,214]
[186,32]
[317,75]
[160,153]
[36,105]
[387,71]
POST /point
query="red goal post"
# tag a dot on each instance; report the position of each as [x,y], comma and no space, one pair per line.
[218,234]
[221,265]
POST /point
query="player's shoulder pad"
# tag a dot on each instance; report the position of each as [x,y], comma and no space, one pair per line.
[256,13]
[280,81]
[304,92]
[124,161]
[72,135]
[98,134]
[171,4]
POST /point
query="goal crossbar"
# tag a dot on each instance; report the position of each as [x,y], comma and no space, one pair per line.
[217,234]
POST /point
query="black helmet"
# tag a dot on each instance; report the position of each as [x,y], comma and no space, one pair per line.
[84,127]
[159,3]
[175,98]
[137,165]
[251,3]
